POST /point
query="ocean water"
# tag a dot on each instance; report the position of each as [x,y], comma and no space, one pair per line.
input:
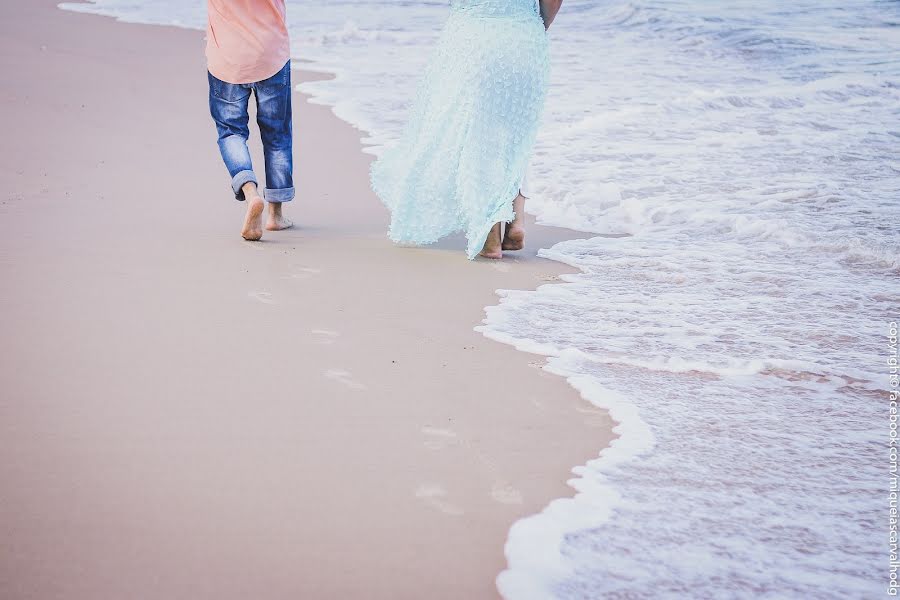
[738,165]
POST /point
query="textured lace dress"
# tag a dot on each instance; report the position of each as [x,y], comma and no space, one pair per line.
[463,154]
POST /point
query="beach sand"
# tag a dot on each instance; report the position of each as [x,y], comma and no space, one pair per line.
[186,415]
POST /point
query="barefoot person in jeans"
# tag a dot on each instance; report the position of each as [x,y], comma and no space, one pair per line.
[248,52]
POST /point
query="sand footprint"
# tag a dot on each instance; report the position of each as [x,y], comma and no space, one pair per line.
[504,493]
[303,273]
[434,495]
[325,336]
[439,438]
[264,297]
[344,378]
[537,403]
[500,266]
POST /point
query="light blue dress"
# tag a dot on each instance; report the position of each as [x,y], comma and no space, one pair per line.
[472,125]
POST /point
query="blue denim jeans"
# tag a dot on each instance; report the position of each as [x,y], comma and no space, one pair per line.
[228,103]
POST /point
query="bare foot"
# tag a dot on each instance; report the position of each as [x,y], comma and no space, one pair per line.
[252,231]
[515,231]
[276,220]
[278,223]
[492,244]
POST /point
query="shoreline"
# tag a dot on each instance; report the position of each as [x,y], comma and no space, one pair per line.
[191,415]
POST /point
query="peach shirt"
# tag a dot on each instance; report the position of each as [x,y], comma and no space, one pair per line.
[247,40]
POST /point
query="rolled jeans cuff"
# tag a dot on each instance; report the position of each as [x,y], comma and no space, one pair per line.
[239,180]
[279,195]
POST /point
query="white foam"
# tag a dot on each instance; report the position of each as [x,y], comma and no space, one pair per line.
[535,544]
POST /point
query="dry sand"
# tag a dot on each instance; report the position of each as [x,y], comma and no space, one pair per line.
[185,415]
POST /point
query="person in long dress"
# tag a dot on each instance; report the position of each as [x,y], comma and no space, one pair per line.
[460,162]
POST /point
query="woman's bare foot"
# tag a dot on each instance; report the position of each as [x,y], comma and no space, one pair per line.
[252,231]
[276,220]
[492,244]
[515,231]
